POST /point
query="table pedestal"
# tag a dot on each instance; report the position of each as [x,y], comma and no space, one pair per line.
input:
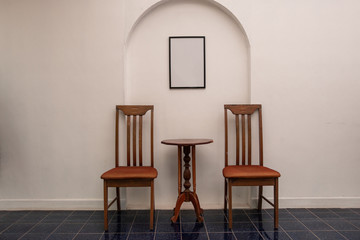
[187,195]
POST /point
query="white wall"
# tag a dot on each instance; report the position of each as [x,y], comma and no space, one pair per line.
[310,63]
[60,78]
[61,74]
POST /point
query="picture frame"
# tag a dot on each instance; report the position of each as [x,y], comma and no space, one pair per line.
[187,62]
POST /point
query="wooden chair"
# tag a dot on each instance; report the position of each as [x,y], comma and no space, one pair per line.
[134,174]
[244,173]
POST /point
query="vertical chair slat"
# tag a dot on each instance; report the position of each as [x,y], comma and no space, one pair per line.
[260,138]
[140,140]
[134,140]
[249,139]
[243,150]
[117,140]
[226,138]
[152,137]
[128,139]
[237,139]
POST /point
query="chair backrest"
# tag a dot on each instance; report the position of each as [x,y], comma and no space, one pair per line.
[134,115]
[243,117]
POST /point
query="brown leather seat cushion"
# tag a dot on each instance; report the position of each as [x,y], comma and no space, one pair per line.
[253,171]
[130,173]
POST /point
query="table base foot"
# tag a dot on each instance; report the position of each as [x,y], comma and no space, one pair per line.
[188,197]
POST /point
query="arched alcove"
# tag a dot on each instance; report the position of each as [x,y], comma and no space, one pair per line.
[187,113]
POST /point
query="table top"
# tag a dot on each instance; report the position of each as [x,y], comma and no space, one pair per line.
[186,142]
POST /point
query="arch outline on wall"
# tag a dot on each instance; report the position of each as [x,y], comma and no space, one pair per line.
[154,6]
[161,2]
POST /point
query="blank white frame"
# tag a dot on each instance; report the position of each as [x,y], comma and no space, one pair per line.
[187,62]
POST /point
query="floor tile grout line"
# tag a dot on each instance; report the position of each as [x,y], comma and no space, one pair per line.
[132,224]
[316,216]
[63,221]
[347,220]
[232,230]
[252,222]
[84,223]
[357,213]
[88,220]
[334,229]
[304,224]
[9,226]
[180,224]
[227,221]
[20,223]
[357,228]
[287,234]
[156,221]
[103,232]
[336,213]
[15,222]
[34,225]
[322,220]
[109,221]
[57,226]
[206,231]
[67,218]
[23,216]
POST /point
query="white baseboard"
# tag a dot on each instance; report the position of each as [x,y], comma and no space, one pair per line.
[54,204]
[97,204]
[314,202]
[185,206]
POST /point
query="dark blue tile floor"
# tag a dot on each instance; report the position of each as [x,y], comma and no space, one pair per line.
[294,224]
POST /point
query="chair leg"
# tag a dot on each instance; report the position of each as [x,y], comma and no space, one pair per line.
[225,197]
[105,206]
[276,204]
[118,199]
[152,206]
[260,198]
[230,204]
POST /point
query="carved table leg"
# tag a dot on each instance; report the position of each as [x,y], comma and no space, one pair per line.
[179,202]
[187,195]
[195,202]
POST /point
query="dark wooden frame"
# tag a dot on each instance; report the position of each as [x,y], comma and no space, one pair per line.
[134,112]
[246,111]
[170,63]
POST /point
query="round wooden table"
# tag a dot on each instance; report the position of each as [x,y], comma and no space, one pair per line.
[187,195]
